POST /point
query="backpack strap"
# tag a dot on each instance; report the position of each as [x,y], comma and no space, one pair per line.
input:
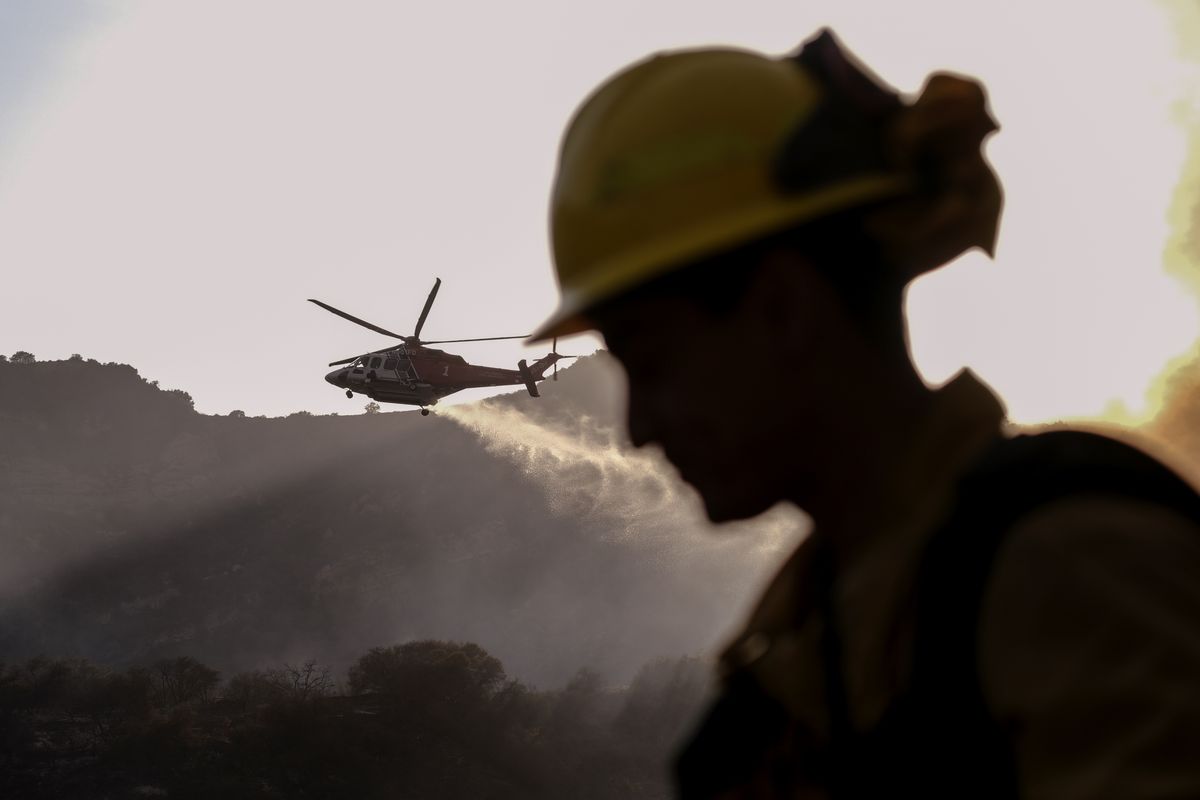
[939,739]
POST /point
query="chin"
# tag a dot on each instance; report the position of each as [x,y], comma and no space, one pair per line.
[726,507]
[726,497]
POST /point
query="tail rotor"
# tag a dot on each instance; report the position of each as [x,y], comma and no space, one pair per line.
[557,356]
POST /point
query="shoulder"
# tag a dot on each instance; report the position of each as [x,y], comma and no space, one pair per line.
[1090,645]
[1101,551]
[1057,463]
[1106,555]
[1096,525]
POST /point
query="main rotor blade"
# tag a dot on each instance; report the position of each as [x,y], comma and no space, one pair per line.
[437,283]
[356,320]
[483,339]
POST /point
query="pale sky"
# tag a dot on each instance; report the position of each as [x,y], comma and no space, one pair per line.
[176,178]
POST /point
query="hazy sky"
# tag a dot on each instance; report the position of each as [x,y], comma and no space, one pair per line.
[176,178]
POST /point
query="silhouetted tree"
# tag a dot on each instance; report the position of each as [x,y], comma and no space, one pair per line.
[22,357]
[237,413]
[660,702]
[247,691]
[183,396]
[107,698]
[579,711]
[306,681]
[183,680]
[445,671]
[46,681]
[431,719]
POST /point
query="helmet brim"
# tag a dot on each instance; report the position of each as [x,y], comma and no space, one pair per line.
[608,281]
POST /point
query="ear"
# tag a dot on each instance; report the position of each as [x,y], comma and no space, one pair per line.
[792,302]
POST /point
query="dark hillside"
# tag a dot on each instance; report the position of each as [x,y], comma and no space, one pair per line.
[132,528]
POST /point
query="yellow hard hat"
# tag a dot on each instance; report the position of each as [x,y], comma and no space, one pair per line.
[674,158]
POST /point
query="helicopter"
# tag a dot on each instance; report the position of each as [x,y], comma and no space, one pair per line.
[412,373]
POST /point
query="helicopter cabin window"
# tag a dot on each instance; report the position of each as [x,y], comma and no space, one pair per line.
[389,364]
[375,362]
